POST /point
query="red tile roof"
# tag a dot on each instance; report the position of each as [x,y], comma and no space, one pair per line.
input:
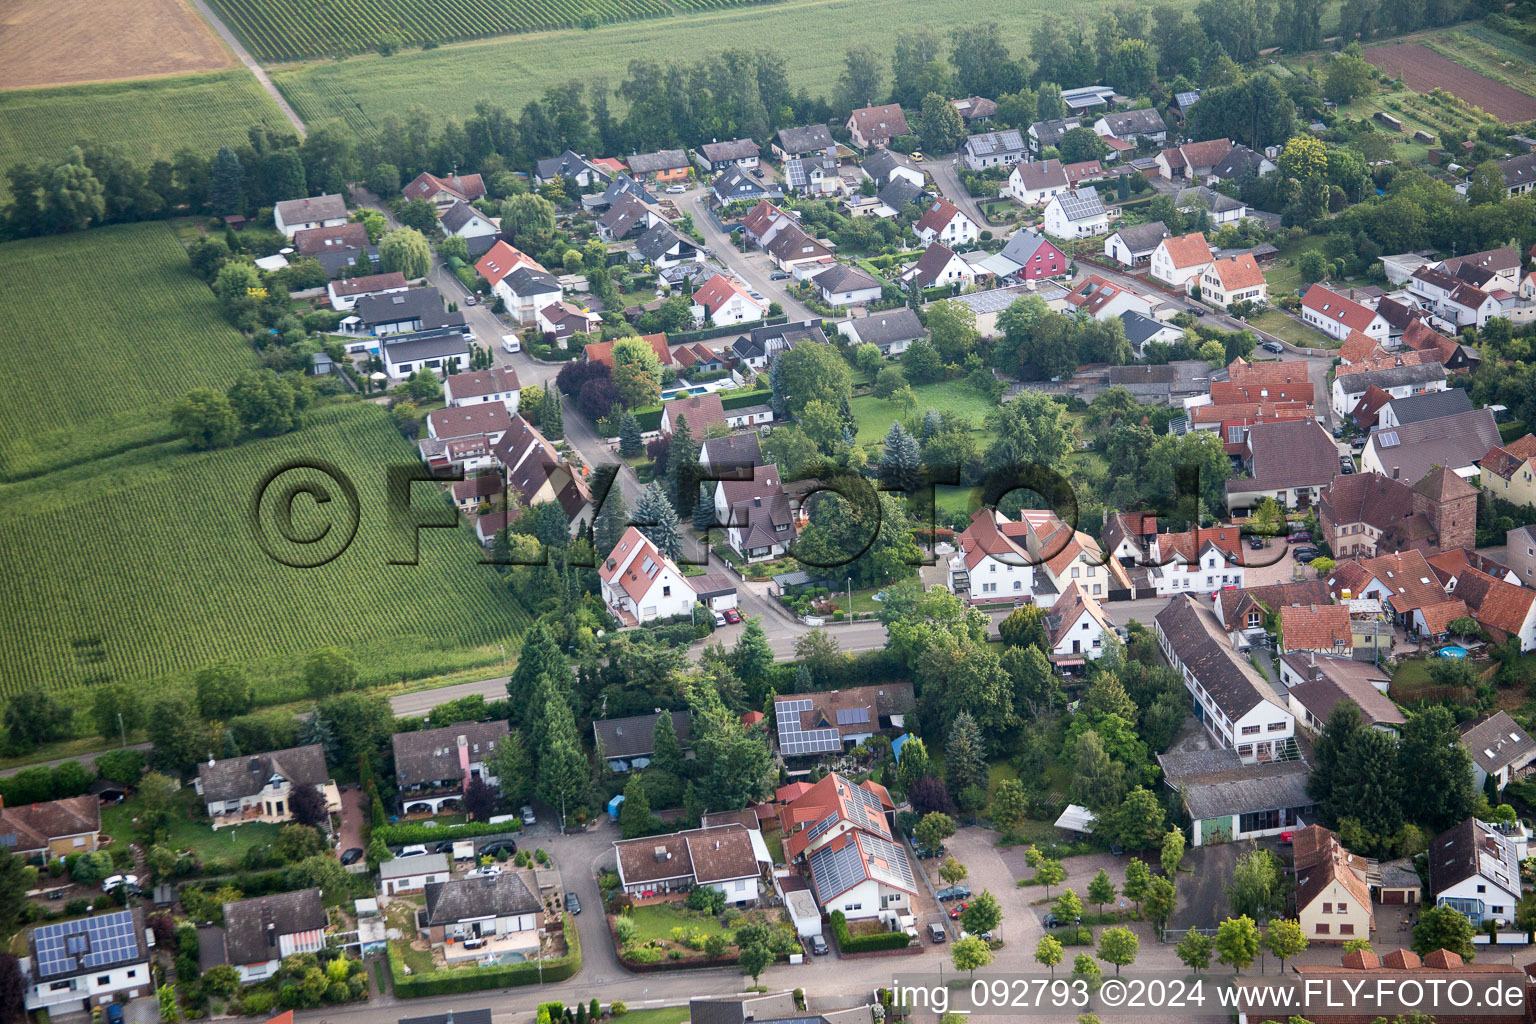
[1239,271]
[717,291]
[501,260]
[939,213]
[1315,628]
[1190,250]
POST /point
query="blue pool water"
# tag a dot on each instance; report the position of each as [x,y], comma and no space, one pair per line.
[1452,652]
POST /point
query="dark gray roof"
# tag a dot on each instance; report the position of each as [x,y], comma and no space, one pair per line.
[1518,170]
[994,143]
[1288,453]
[500,895]
[406,348]
[1392,377]
[898,192]
[888,327]
[302,211]
[1178,765]
[424,304]
[1468,849]
[1023,245]
[636,736]
[882,162]
[1247,790]
[457,215]
[1430,405]
[842,277]
[711,584]
[1202,195]
[88,945]
[795,141]
[1409,451]
[1050,132]
[252,927]
[1495,741]
[567,164]
[1138,328]
[737,149]
[621,185]
[527,281]
[482,1016]
[1142,237]
[432,755]
[1238,161]
[658,241]
[768,341]
[735,185]
[1135,122]
[661,160]
[1199,640]
[733,450]
[334,261]
[741,1009]
[237,777]
[624,216]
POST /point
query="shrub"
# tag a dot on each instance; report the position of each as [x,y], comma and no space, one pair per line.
[865,943]
[406,833]
[257,1004]
[617,1009]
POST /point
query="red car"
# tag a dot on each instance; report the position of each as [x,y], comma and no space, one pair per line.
[957,910]
[732,616]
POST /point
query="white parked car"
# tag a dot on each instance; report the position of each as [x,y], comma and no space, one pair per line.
[412,851]
[676,190]
[111,882]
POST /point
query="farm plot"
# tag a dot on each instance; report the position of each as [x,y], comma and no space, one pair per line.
[142,567]
[508,72]
[148,120]
[1424,70]
[99,332]
[43,41]
[282,30]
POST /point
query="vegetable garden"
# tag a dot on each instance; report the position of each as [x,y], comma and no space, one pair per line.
[142,567]
[98,334]
[284,30]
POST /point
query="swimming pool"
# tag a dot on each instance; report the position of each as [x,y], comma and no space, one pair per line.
[1452,652]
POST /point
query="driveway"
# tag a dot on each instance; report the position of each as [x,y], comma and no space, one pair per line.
[352,815]
[946,175]
[1202,885]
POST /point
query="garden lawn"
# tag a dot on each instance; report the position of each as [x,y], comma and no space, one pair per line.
[657,920]
[1282,274]
[664,1015]
[874,416]
[1282,326]
[229,843]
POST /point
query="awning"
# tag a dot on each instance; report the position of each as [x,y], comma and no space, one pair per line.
[1076,818]
[999,265]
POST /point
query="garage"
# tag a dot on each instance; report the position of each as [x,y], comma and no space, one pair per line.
[715,590]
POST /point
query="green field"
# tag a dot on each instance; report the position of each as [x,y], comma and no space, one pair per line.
[280,30]
[811,35]
[100,332]
[144,566]
[874,416]
[149,119]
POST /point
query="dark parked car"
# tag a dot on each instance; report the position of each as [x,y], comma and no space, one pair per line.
[1256,543]
[955,892]
[818,946]
[573,903]
[778,275]
[114,1013]
[1299,538]
[499,847]
[1197,311]
[1272,346]
[1052,921]
[352,856]
[1305,553]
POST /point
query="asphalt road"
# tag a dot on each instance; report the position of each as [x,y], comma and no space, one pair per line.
[754,268]
[947,177]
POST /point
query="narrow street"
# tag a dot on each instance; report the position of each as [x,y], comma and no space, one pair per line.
[754,268]
[946,174]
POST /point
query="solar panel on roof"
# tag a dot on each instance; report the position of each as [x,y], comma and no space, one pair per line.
[852,716]
[1388,439]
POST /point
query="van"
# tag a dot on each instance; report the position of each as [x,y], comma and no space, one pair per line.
[512,343]
[935,932]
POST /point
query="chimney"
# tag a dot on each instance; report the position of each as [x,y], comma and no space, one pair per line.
[463,744]
[271,934]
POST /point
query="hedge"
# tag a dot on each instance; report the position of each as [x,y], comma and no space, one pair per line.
[865,943]
[404,833]
[649,418]
[476,979]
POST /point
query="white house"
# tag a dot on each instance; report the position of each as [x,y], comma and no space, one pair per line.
[724,300]
[891,331]
[841,831]
[1076,213]
[1498,747]
[756,511]
[1077,626]
[939,265]
[1029,560]
[413,874]
[1177,261]
[259,787]
[258,933]
[1336,316]
[1237,705]
[344,292]
[519,281]
[498,384]
[467,222]
[843,284]
[640,584]
[943,222]
[56,978]
[1034,183]
[1475,868]
[404,354]
[993,149]
[328,211]
[487,419]
[473,917]
[1233,279]
[727,858]
[1396,381]
[1203,560]
[1134,246]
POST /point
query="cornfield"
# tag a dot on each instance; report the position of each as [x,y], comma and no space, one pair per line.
[99,333]
[285,30]
[142,567]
